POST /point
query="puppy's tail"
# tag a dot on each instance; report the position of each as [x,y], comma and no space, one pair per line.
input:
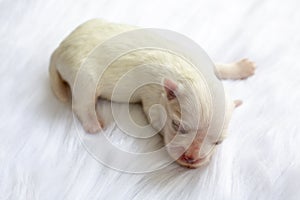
[59,87]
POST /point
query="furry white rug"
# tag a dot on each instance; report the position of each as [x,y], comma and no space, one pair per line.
[42,158]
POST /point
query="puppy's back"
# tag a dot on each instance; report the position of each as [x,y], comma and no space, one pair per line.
[85,38]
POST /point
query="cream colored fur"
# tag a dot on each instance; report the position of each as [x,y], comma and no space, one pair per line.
[161,66]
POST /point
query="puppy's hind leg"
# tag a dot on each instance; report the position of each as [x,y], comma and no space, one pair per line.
[238,70]
[85,110]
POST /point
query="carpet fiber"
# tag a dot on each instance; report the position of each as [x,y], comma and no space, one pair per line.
[42,158]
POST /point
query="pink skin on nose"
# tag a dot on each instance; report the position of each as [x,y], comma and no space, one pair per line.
[189,156]
[192,153]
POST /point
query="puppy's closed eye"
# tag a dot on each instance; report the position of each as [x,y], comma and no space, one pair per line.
[218,142]
[178,128]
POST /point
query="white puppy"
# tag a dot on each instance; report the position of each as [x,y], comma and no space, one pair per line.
[179,79]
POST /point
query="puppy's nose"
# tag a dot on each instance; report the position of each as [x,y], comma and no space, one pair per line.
[188,159]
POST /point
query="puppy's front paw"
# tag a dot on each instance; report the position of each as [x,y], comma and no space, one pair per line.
[245,68]
[93,127]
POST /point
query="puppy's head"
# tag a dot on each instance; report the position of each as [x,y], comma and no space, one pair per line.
[189,111]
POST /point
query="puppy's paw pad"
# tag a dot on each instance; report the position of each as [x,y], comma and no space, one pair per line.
[245,68]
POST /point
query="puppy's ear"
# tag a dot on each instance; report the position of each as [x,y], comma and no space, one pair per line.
[171,89]
[237,103]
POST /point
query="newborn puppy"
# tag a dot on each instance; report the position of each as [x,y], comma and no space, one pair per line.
[179,83]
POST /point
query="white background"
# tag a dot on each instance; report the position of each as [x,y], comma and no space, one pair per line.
[41,157]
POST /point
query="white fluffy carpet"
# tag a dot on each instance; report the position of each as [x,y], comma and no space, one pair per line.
[42,158]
